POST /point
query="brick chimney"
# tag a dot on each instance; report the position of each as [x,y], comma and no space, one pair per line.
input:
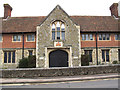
[114,9]
[7,10]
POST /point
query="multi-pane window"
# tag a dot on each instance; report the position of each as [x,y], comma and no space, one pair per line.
[117,36]
[58,31]
[87,37]
[9,56]
[0,37]
[30,52]
[89,52]
[119,54]
[105,55]
[16,37]
[31,37]
[104,36]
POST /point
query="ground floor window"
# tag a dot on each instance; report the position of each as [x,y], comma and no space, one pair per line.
[89,52]
[119,54]
[9,56]
[105,55]
[30,52]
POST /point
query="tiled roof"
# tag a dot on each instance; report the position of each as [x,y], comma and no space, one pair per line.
[96,23]
[87,23]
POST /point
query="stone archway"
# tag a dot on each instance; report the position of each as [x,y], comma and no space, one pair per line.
[58,58]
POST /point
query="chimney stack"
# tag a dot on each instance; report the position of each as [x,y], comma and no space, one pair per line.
[114,9]
[7,10]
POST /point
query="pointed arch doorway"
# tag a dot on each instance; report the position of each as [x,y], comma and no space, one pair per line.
[58,58]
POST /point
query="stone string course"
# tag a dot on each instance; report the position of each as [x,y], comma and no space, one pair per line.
[53,72]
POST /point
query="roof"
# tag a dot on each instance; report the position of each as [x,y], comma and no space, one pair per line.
[87,23]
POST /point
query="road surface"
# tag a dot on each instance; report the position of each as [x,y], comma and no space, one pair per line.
[106,83]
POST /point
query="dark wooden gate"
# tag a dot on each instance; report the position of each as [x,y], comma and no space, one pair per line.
[58,58]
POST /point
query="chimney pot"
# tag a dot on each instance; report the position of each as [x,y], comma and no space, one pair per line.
[7,10]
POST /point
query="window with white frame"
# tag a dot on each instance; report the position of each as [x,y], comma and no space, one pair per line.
[58,30]
[105,55]
[104,36]
[117,36]
[30,37]
[16,37]
[9,56]
[86,37]
[0,37]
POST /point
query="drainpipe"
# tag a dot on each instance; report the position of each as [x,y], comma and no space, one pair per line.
[96,48]
[23,46]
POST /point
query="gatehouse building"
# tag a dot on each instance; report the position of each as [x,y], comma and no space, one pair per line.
[59,40]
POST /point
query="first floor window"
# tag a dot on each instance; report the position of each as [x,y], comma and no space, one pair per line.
[104,36]
[0,37]
[83,37]
[31,37]
[89,52]
[9,56]
[53,35]
[117,36]
[105,55]
[58,30]
[87,37]
[16,38]
[63,35]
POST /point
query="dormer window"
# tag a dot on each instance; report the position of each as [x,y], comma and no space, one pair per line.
[58,30]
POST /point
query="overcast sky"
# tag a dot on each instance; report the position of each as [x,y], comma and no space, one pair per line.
[72,7]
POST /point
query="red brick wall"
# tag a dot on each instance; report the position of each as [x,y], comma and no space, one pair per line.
[111,43]
[7,42]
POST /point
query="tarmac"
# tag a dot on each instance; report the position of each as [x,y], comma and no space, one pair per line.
[58,79]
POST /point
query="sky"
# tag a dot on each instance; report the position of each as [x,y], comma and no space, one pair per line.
[44,7]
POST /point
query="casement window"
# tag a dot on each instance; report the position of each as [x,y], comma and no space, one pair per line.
[17,38]
[87,37]
[58,30]
[0,37]
[30,52]
[119,54]
[105,55]
[104,36]
[30,37]
[9,56]
[89,52]
[117,36]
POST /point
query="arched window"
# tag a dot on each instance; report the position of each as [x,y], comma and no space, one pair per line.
[58,30]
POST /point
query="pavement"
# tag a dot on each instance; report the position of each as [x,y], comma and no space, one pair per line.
[57,79]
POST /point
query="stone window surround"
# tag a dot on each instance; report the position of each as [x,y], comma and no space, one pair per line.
[115,38]
[7,56]
[105,56]
[27,38]
[16,35]
[88,36]
[50,49]
[105,37]
[55,21]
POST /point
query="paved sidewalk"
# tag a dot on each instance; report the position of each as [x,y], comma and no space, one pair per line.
[57,79]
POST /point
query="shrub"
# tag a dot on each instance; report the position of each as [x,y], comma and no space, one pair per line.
[85,59]
[23,63]
[32,61]
[29,62]
[115,62]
